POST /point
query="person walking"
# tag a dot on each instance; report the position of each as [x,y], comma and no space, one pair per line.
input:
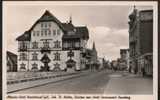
[143,71]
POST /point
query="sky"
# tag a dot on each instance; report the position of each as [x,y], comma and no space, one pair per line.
[107,24]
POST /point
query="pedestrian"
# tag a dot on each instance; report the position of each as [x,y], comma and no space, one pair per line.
[143,71]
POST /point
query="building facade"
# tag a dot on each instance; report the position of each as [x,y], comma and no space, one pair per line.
[141,41]
[52,45]
[11,62]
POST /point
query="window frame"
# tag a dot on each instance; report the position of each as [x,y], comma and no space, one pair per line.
[35,56]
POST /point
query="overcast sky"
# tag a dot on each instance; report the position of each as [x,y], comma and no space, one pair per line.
[108,25]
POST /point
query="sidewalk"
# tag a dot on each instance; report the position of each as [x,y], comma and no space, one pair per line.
[129,84]
[29,84]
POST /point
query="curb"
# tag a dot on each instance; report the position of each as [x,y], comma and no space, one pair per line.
[37,78]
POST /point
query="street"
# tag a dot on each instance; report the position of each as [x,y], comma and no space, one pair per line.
[103,82]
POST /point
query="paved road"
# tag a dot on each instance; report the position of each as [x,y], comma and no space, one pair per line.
[92,83]
[97,83]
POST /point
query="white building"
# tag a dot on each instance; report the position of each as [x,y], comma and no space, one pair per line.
[52,45]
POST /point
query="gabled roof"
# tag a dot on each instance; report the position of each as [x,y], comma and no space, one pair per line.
[24,37]
[83,31]
[13,57]
[80,31]
[68,26]
[47,16]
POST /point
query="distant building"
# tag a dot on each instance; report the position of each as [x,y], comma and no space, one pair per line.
[101,63]
[141,41]
[50,45]
[92,59]
[11,62]
[124,58]
[114,64]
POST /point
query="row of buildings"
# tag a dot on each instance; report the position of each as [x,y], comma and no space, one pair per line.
[141,41]
[122,63]
[138,58]
[52,45]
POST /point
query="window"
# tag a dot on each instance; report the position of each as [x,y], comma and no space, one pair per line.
[54,32]
[22,66]
[56,67]
[41,24]
[71,33]
[35,45]
[45,32]
[77,44]
[57,56]
[58,32]
[37,33]
[34,67]
[70,54]
[34,33]
[49,24]
[65,44]
[49,32]
[34,56]
[42,33]
[46,44]
[72,44]
[23,56]
[45,25]
[57,44]
[23,45]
